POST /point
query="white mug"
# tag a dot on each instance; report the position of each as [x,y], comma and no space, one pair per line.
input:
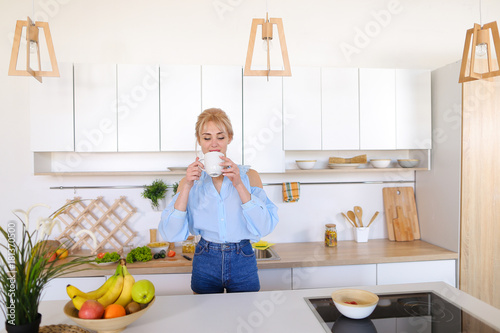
[212,162]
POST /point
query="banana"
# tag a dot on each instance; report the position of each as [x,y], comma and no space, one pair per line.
[74,291]
[114,290]
[95,294]
[78,301]
[128,282]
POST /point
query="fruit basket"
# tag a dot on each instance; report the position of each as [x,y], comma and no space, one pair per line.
[112,325]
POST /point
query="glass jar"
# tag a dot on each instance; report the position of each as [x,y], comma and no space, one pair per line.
[188,245]
[330,235]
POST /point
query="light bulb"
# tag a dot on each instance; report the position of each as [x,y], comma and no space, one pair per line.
[481,50]
[33,46]
[264,45]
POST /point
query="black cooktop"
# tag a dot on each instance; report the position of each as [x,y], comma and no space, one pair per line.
[408,313]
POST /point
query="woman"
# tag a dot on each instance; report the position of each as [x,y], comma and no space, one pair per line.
[228,212]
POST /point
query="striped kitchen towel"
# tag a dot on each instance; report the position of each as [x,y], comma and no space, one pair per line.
[291,192]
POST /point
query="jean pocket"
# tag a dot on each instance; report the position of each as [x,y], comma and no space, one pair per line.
[199,249]
[247,251]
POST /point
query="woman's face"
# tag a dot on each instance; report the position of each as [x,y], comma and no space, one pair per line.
[213,139]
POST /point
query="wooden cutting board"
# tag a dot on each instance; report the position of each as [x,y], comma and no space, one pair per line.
[403,231]
[404,198]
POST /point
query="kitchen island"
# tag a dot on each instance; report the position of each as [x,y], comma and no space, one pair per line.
[272,311]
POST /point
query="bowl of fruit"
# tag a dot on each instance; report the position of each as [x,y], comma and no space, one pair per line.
[116,304]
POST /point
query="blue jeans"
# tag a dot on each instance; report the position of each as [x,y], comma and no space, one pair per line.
[227,266]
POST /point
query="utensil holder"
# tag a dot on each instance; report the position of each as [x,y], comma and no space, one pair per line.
[361,234]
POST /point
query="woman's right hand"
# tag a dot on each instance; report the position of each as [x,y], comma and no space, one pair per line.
[193,172]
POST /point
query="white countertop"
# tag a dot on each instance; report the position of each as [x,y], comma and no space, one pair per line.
[270,311]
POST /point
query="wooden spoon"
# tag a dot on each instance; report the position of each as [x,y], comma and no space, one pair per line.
[352,217]
[359,213]
[373,219]
[348,219]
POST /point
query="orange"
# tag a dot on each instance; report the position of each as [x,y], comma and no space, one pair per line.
[113,311]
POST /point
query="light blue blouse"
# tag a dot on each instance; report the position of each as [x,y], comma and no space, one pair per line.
[220,217]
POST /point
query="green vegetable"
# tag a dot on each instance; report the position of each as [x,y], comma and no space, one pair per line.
[156,256]
[108,257]
[162,255]
[139,254]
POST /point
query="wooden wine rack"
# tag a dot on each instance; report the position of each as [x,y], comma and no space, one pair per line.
[107,223]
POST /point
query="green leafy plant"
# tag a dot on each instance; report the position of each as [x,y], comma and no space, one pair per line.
[155,192]
[26,267]
[175,187]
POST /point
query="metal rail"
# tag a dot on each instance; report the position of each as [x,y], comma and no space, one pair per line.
[265,184]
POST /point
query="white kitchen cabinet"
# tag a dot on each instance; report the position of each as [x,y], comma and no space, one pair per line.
[334,276]
[221,87]
[417,271]
[51,112]
[302,109]
[413,109]
[262,124]
[56,289]
[138,108]
[275,279]
[95,108]
[180,105]
[168,284]
[377,108]
[340,108]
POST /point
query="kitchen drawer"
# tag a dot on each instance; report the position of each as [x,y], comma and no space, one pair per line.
[275,279]
[417,271]
[168,284]
[334,276]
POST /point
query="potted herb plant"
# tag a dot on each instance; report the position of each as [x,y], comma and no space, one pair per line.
[27,265]
[155,192]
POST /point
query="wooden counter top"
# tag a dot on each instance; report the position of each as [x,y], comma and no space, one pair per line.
[302,255]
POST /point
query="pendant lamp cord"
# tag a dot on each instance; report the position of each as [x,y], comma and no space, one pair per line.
[480,14]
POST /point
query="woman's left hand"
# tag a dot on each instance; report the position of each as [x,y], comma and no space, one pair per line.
[231,171]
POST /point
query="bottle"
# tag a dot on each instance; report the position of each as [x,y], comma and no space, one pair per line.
[330,235]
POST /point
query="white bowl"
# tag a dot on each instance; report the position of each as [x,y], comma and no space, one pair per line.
[408,163]
[365,301]
[156,247]
[305,164]
[380,163]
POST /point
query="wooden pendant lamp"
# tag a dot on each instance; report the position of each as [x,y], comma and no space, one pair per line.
[267,36]
[32,32]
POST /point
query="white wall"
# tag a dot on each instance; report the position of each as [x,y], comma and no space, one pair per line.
[404,34]
[438,191]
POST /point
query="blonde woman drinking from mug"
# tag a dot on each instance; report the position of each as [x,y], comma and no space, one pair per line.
[228,211]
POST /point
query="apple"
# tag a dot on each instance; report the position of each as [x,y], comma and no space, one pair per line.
[91,309]
[143,291]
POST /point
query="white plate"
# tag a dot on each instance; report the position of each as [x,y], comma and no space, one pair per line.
[343,165]
[106,263]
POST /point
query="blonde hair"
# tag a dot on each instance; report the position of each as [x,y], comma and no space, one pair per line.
[220,119]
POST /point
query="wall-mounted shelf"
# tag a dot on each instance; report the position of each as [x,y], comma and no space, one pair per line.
[290,171]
